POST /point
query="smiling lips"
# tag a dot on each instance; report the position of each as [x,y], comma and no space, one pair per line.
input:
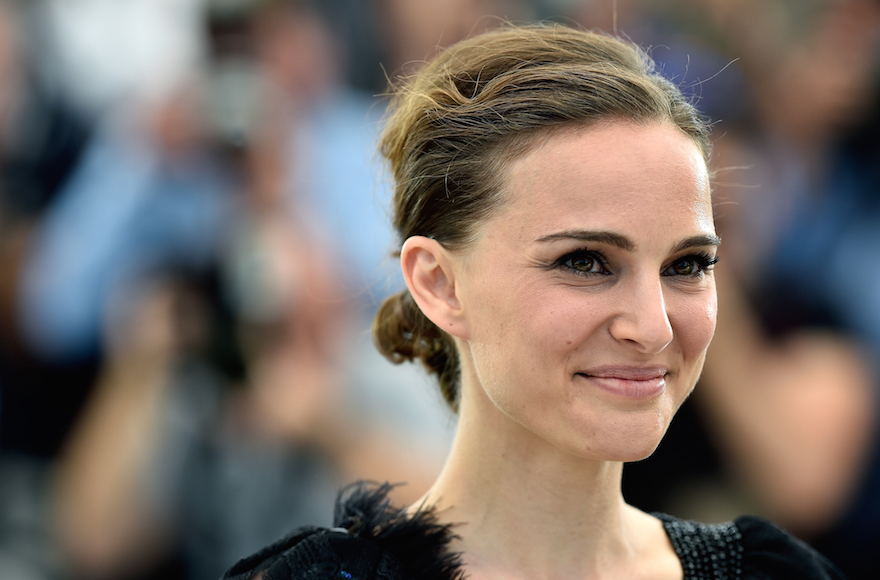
[629,382]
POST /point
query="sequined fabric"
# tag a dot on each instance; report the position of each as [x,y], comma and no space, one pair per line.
[706,551]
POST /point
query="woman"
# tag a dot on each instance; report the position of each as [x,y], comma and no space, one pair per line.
[553,199]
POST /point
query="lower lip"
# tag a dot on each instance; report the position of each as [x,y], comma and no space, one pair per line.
[629,389]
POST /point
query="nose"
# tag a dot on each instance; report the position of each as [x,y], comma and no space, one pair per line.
[643,320]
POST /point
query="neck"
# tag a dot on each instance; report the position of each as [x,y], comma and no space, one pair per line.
[529,507]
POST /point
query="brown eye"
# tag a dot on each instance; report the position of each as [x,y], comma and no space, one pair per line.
[684,267]
[691,266]
[583,263]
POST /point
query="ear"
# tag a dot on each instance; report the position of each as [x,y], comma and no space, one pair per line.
[428,270]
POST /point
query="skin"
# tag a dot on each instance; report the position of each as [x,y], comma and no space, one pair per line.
[582,315]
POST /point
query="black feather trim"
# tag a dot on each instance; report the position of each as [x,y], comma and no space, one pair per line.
[416,540]
[370,541]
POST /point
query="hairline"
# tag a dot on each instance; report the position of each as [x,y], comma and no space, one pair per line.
[518,145]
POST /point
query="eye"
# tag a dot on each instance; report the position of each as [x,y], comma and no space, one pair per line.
[585,262]
[691,266]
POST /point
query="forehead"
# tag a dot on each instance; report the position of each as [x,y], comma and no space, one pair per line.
[618,176]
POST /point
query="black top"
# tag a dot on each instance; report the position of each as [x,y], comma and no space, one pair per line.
[747,548]
[373,541]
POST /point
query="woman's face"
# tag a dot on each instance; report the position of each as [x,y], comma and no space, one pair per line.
[589,298]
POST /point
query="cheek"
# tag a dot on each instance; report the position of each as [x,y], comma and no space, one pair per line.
[520,336]
[696,324]
[506,313]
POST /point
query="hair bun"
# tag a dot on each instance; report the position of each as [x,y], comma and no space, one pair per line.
[402,332]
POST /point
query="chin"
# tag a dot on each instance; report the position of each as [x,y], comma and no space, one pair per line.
[637,455]
[626,446]
[629,454]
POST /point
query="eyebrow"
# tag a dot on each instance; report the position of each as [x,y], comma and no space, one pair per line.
[624,243]
[696,241]
[610,238]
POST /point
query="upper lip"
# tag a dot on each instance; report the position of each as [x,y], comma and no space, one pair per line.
[627,372]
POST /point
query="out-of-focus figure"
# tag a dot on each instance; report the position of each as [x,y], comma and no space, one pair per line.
[825,100]
[42,139]
[212,423]
[173,462]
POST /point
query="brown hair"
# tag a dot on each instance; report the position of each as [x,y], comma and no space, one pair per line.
[477,106]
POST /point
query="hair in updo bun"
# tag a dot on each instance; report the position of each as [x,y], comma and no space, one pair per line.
[455,125]
[403,333]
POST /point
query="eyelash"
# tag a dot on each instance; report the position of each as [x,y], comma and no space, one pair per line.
[703,261]
[566,262]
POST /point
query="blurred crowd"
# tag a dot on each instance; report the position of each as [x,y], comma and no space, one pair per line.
[193,239]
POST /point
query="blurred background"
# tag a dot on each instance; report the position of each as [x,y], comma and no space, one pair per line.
[194,237]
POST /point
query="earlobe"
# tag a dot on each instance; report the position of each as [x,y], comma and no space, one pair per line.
[428,270]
